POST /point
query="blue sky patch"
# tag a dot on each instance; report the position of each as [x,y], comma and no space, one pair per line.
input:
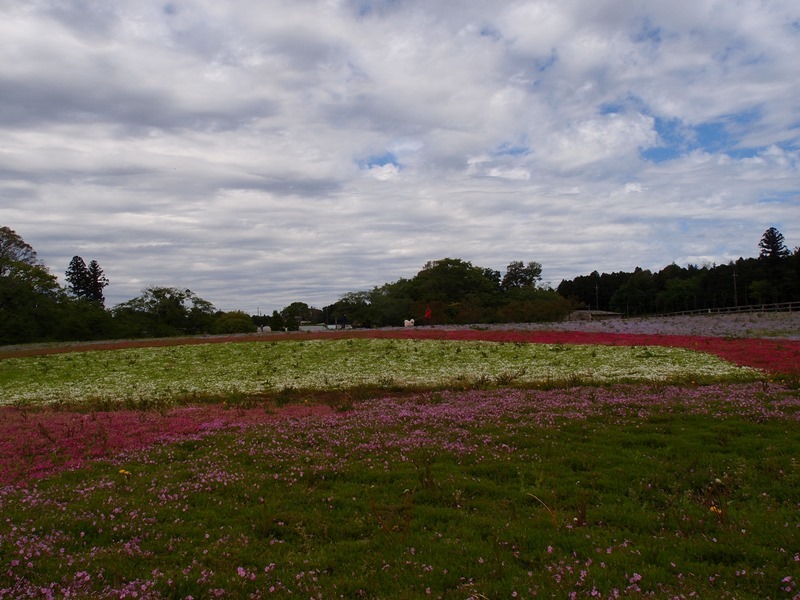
[659,154]
[611,108]
[379,160]
[718,136]
[509,149]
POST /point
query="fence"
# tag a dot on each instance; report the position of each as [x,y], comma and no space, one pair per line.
[778,307]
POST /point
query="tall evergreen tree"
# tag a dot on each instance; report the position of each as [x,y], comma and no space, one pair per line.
[86,282]
[96,282]
[773,245]
[77,275]
[777,282]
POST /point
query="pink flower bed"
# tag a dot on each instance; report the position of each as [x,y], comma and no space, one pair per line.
[37,443]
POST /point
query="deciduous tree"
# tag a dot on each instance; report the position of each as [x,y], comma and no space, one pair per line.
[519,275]
[293,314]
[15,252]
[166,311]
[30,297]
[235,321]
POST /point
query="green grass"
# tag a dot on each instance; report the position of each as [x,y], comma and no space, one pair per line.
[146,377]
[471,489]
[397,498]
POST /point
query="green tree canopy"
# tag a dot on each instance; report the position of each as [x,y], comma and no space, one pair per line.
[166,311]
[15,253]
[519,275]
[452,280]
[294,314]
[235,321]
[30,297]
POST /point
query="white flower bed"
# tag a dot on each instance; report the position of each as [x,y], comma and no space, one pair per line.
[255,367]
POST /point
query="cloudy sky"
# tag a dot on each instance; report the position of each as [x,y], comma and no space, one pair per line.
[261,153]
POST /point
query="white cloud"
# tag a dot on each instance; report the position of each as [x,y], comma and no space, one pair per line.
[235,148]
[612,136]
[518,173]
[384,172]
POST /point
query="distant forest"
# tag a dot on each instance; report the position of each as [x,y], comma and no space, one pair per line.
[772,277]
[34,307]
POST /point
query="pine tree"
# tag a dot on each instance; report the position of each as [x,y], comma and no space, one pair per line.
[86,282]
[77,275]
[96,282]
[772,245]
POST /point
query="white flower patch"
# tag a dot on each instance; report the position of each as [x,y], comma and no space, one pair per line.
[258,367]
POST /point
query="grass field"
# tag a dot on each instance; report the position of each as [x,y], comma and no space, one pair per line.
[398,469]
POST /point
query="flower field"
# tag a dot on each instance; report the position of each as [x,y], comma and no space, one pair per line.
[135,375]
[401,467]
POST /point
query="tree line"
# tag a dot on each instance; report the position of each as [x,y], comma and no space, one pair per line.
[34,307]
[771,277]
[448,291]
